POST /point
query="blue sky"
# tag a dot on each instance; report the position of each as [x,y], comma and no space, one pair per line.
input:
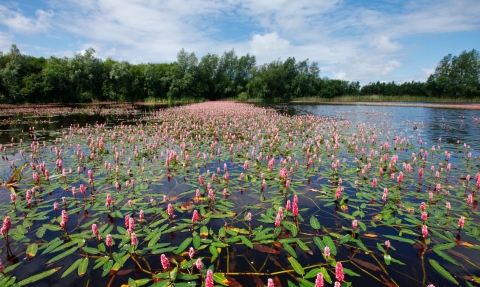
[372,40]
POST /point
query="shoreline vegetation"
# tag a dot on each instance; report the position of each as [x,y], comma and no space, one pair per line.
[470,105]
[85,78]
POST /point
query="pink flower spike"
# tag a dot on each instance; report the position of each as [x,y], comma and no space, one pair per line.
[170,210]
[461,222]
[109,240]
[277,220]
[319,281]
[191,253]
[326,251]
[295,209]
[209,278]
[198,264]
[354,224]
[127,221]
[195,216]
[424,216]
[424,231]
[133,238]
[422,206]
[270,283]
[95,229]
[387,243]
[165,262]
[339,272]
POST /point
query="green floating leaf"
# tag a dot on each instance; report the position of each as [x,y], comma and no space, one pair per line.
[319,243]
[72,267]
[62,255]
[107,267]
[32,250]
[156,236]
[291,227]
[187,277]
[402,239]
[326,276]
[305,283]
[220,278]
[91,250]
[246,241]
[173,274]
[163,283]
[296,266]
[100,262]
[445,256]
[329,242]
[82,267]
[214,252]
[345,238]
[314,223]
[183,245]
[442,271]
[141,282]
[303,246]
[347,216]
[290,249]
[11,267]
[37,277]
[350,272]
[41,231]
[197,241]
[312,273]
[444,246]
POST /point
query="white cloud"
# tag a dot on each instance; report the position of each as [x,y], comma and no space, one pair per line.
[25,25]
[5,42]
[427,72]
[365,68]
[268,46]
[384,45]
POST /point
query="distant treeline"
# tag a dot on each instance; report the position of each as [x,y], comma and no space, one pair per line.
[85,78]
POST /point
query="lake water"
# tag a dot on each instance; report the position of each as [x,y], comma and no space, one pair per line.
[454,131]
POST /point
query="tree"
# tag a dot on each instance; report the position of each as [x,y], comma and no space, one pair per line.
[57,86]
[457,76]
[11,75]
[86,75]
[205,76]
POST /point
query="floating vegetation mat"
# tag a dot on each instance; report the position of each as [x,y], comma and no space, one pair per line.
[231,194]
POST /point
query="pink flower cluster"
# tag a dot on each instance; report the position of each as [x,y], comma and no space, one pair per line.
[7,224]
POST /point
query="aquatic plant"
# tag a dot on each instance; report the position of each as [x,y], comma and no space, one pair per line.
[195,194]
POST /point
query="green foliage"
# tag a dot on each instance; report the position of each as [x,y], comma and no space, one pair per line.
[86,78]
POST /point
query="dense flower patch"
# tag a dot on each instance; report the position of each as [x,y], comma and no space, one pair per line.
[227,193]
